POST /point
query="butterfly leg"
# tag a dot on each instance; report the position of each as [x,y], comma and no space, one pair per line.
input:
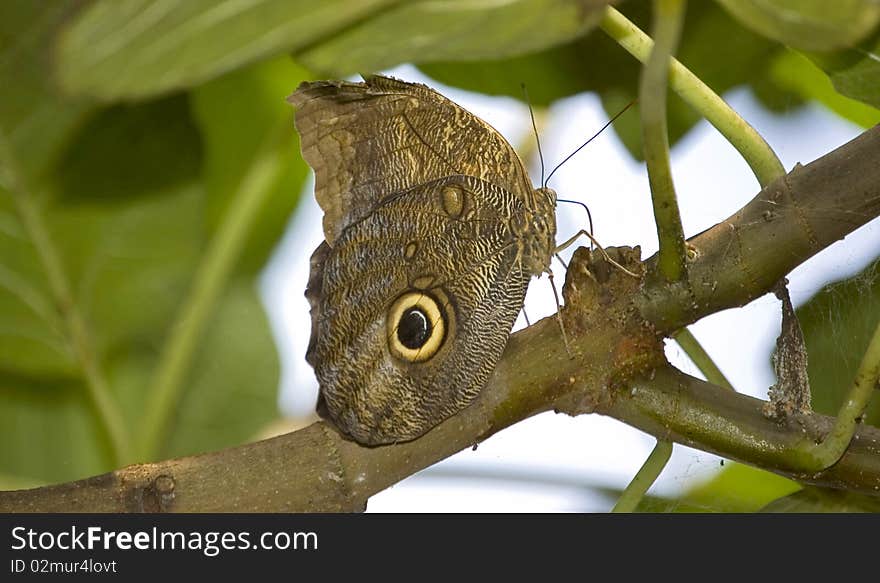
[559,257]
[583,232]
[526,316]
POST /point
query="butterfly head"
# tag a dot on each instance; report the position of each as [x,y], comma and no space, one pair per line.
[538,231]
[545,198]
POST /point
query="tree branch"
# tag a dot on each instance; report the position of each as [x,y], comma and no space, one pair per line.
[618,369]
[789,221]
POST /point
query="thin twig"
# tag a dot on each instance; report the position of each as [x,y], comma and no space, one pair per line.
[668,19]
[644,478]
[753,148]
[695,351]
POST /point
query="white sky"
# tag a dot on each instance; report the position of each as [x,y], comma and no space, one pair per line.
[549,462]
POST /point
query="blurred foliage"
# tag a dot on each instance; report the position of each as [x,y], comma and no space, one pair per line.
[854,72]
[798,74]
[838,323]
[128,196]
[816,25]
[127,128]
[736,488]
[131,49]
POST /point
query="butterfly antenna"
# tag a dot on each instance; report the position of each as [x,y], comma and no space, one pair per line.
[534,129]
[581,147]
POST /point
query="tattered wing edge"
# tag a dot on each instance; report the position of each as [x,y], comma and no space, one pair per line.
[314,294]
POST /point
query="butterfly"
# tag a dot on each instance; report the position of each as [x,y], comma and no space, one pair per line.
[433,231]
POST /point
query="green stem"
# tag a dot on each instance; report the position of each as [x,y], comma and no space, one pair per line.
[77,331]
[672,258]
[830,450]
[757,153]
[668,18]
[701,358]
[209,282]
[647,475]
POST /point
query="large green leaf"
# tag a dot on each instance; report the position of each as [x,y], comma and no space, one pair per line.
[799,74]
[596,63]
[741,488]
[126,264]
[736,488]
[244,116]
[127,225]
[421,32]
[126,260]
[855,71]
[838,323]
[816,25]
[32,341]
[34,118]
[134,48]
[125,214]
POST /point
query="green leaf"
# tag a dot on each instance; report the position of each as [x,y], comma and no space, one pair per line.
[137,48]
[741,488]
[596,63]
[127,264]
[816,25]
[855,72]
[34,118]
[144,131]
[49,432]
[128,219]
[422,32]
[800,75]
[32,338]
[232,391]
[813,499]
[838,323]
[736,488]
[240,115]
[125,213]
[232,388]
[67,256]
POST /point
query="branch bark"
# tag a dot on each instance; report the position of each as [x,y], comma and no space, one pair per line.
[789,221]
[616,327]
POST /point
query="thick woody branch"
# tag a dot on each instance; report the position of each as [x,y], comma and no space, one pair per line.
[618,369]
[788,222]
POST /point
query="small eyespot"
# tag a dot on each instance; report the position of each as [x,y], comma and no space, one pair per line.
[416,327]
[452,200]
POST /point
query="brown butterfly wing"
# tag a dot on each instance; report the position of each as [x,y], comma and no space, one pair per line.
[368,140]
[414,242]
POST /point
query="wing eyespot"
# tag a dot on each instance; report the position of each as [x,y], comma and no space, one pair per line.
[416,326]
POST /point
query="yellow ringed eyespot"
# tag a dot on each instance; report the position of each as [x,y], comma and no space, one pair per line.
[416,326]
